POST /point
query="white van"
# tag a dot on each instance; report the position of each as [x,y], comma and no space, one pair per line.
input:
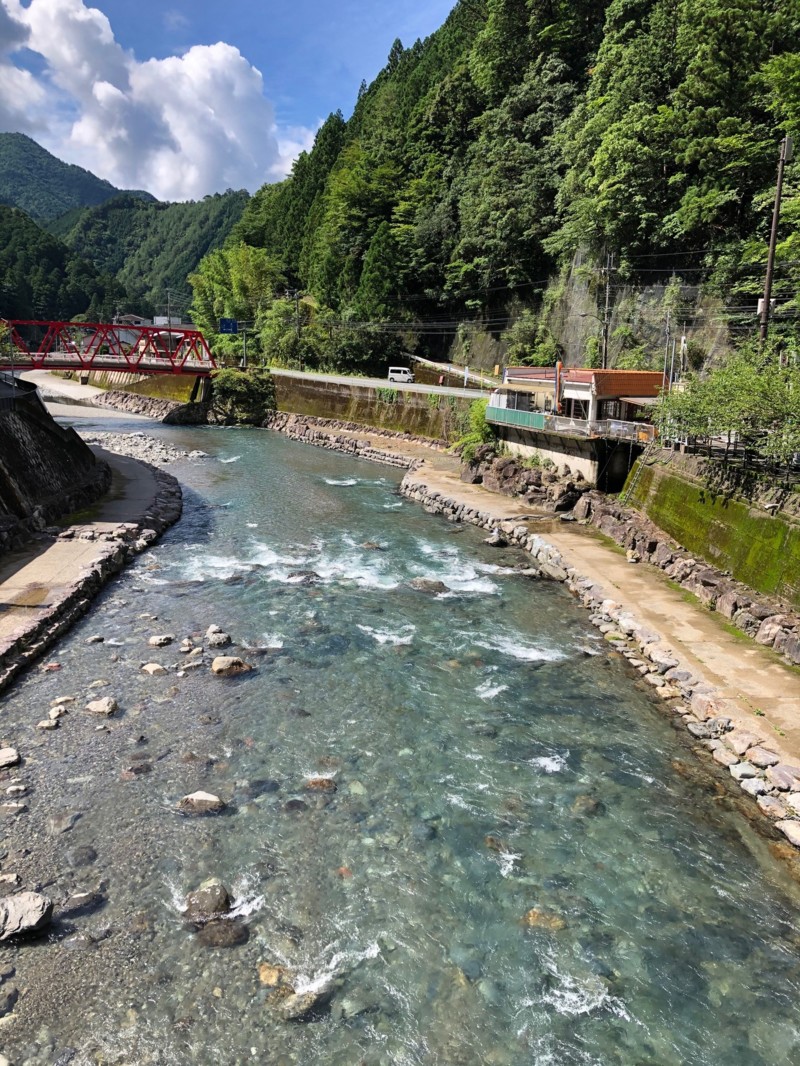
[401,373]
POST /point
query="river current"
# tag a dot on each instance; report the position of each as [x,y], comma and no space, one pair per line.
[521,863]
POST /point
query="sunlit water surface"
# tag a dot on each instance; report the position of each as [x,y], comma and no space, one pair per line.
[491,756]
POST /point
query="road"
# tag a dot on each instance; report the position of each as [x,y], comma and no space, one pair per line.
[380,383]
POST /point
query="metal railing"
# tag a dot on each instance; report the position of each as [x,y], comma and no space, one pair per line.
[639,432]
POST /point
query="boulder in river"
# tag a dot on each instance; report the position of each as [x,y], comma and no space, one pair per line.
[201,803]
[222,933]
[208,901]
[424,584]
[24,912]
[161,640]
[8,757]
[105,707]
[154,669]
[229,666]
[218,640]
[301,1006]
[539,919]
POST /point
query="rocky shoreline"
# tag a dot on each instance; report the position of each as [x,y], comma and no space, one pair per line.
[316,431]
[702,709]
[140,446]
[116,547]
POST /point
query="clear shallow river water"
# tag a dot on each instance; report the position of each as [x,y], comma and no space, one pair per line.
[491,756]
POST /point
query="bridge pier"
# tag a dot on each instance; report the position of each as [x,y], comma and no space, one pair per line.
[201,390]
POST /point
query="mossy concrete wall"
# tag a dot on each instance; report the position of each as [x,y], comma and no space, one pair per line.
[759,549]
[435,416]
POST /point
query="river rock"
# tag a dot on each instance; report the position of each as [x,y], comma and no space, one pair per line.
[272,976]
[207,901]
[741,770]
[772,807]
[496,540]
[25,912]
[218,640]
[229,666]
[740,740]
[201,803]
[222,933]
[754,786]
[154,669]
[784,777]
[161,640]
[300,1006]
[790,829]
[105,707]
[424,584]
[539,919]
[321,784]
[8,757]
[47,724]
[760,757]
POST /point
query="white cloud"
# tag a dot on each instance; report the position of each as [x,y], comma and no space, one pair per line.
[181,127]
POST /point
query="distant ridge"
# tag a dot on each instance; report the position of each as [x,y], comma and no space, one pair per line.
[34,180]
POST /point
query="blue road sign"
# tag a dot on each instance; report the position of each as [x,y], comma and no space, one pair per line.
[228,325]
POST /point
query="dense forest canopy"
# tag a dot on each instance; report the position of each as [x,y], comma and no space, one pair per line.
[45,187]
[521,138]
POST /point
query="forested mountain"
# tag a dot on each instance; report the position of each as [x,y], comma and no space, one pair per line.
[521,144]
[43,186]
[150,247]
[41,278]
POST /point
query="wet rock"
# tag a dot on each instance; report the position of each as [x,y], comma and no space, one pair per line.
[201,803]
[161,640]
[105,707]
[424,584]
[302,1006]
[321,784]
[295,806]
[96,639]
[229,666]
[790,829]
[47,725]
[587,806]
[496,540]
[8,757]
[223,933]
[218,640]
[83,855]
[8,997]
[772,807]
[154,669]
[272,976]
[56,713]
[11,810]
[210,899]
[62,823]
[62,701]
[82,903]
[539,919]
[25,912]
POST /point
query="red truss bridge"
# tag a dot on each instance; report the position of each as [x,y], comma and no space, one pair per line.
[104,346]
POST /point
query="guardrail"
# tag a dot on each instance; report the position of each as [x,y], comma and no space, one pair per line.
[638,432]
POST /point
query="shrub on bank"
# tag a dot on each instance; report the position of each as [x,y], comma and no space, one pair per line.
[242,397]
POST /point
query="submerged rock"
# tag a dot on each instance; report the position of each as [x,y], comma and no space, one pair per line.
[25,912]
[301,1006]
[223,933]
[321,784]
[539,919]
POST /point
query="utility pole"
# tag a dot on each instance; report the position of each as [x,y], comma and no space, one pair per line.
[607,308]
[784,158]
[666,346]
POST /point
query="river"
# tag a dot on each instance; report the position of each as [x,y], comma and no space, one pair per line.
[520,861]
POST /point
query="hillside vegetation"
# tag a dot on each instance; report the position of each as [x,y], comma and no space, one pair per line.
[43,186]
[149,246]
[525,141]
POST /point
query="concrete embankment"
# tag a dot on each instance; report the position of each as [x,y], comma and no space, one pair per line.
[46,587]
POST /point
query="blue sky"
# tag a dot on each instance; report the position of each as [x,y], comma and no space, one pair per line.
[189,98]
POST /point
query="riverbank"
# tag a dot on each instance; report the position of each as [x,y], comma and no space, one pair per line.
[47,585]
[736,699]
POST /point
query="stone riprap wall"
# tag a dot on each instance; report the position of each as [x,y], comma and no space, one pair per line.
[116,548]
[46,471]
[170,411]
[769,622]
[548,488]
[703,710]
[321,432]
[760,547]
